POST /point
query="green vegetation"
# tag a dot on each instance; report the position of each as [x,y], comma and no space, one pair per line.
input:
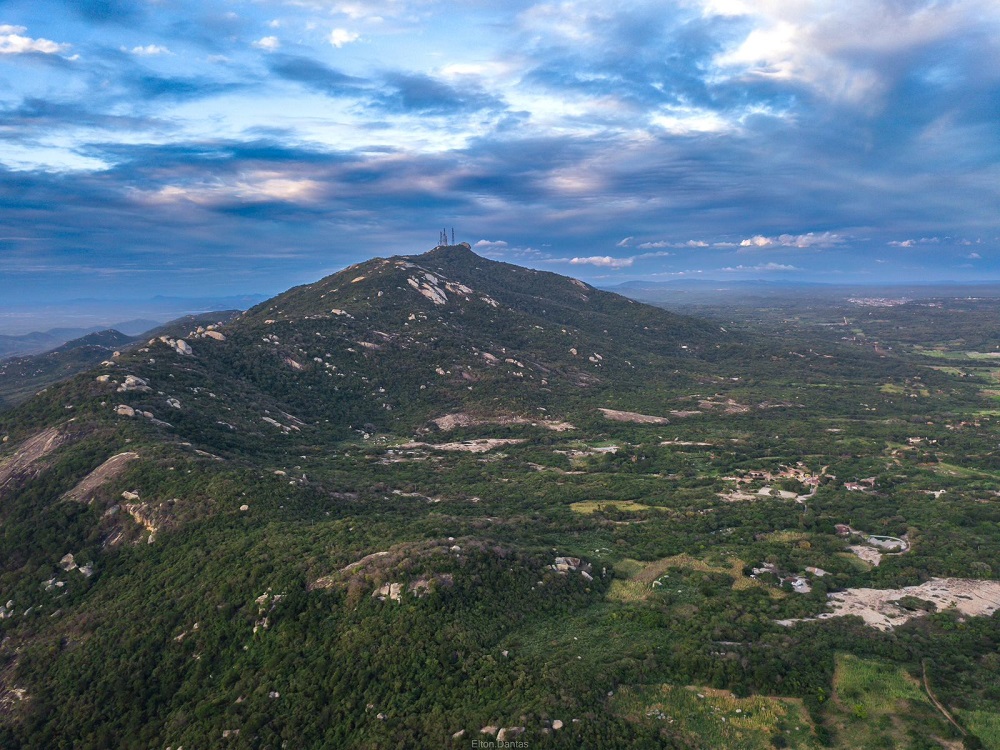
[299,550]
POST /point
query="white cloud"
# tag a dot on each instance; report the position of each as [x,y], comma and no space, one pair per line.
[490,245]
[653,245]
[810,239]
[603,261]
[149,50]
[340,37]
[625,242]
[691,121]
[912,243]
[757,241]
[269,43]
[973,256]
[12,42]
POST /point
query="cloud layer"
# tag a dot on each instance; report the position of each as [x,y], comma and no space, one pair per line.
[246,146]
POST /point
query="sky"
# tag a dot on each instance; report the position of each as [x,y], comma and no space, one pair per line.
[225,147]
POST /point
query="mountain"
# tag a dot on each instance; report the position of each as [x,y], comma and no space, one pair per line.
[43,341]
[21,377]
[436,498]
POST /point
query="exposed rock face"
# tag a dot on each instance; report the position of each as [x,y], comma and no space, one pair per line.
[125,410]
[25,462]
[67,563]
[215,335]
[508,733]
[113,467]
[630,416]
[883,610]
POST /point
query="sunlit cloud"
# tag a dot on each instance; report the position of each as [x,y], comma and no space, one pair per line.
[340,37]
[810,239]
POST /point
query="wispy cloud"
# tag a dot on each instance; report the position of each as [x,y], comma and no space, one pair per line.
[149,50]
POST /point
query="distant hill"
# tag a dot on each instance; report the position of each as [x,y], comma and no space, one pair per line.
[23,376]
[43,341]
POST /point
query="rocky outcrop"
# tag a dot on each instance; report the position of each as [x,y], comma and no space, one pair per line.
[134,383]
[393,591]
[178,345]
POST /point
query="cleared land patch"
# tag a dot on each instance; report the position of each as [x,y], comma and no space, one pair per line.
[592,506]
[705,717]
[875,703]
[643,578]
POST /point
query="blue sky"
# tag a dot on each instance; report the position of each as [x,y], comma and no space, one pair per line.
[222,147]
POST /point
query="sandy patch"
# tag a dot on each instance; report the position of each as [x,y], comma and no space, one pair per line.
[459,419]
[83,492]
[868,554]
[738,497]
[630,416]
[879,608]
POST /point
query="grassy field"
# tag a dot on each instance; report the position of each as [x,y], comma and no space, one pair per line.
[702,717]
[985,725]
[592,506]
[638,581]
[879,705]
